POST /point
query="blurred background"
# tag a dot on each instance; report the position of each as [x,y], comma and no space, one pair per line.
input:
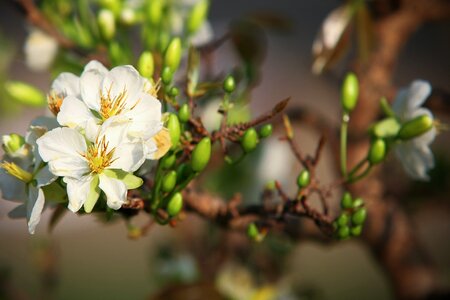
[82,258]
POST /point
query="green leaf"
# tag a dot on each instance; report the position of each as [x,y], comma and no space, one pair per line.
[130,180]
[94,193]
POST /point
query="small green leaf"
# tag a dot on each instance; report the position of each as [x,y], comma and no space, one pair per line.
[130,180]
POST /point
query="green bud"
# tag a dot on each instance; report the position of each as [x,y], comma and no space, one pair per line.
[197,16]
[12,142]
[128,16]
[166,75]
[201,155]
[112,5]
[175,205]
[184,113]
[386,128]
[25,93]
[350,91]
[173,125]
[228,84]
[183,172]
[107,24]
[266,131]
[168,161]
[173,54]
[146,64]
[303,179]
[343,232]
[155,11]
[359,216]
[356,231]
[169,181]
[415,127]
[173,92]
[252,231]
[249,140]
[343,219]
[377,151]
[346,201]
[358,202]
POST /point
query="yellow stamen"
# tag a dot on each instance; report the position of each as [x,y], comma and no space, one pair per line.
[112,106]
[154,89]
[54,102]
[163,143]
[16,171]
[440,127]
[98,156]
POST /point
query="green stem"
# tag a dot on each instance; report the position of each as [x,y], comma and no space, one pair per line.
[343,149]
[352,179]
[357,167]
[156,187]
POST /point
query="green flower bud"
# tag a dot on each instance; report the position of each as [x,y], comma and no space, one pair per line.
[169,181]
[266,131]
[358,202]
[107,24]
[166,75]
[377,151]
[356,231]
[252,231]
[303,179]
[12,142]
[350,91]
[168,161]
[201,155]
[386,128]
[183,172]
[228,84]
[112,5]
[146,64]
[173,92]
[173,125]
[155,11]
[173,54]
[184,113]
[128,16]
[359,216]
[346,201]
[197,16]
[415,127]
[25,93]
[175,205]
[249,140]
[343,232]
[343,219]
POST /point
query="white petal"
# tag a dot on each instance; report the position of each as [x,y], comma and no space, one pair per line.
[146,117]
[419,91]
[44,177]
[124,78]
[415,161]
[18,212]
[90,84]
[11,187]
[78,191]
[128,157]
[35,205]
[400,105]
[97,66]
[74,113]
[47,122]
[92,129]
[66,84]
[115,191]
[115,131]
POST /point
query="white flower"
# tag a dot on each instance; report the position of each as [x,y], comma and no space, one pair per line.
[415,154]
[40,50]
[120,94]
[86,166]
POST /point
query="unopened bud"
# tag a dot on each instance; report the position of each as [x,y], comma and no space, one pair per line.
[184,113]
[266,131]
[350,91]
[173,54]
[343,219]
[128,16]
[197,16]
[343,232]
[356,230]
[415,127]
[173,91]
[107,24]
[377,151]
[12,142]
[252,231]
[358,202]
[155,11]
[359,216]
[303,179]
[166,75]
[201,155]
[146,64]
[169,181]
[168,161]
[386,128]
[346,201]
[228,84]
[25,93]
[173,125]
[175,205]
[249,140]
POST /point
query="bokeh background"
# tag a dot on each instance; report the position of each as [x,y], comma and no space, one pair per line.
[82,258]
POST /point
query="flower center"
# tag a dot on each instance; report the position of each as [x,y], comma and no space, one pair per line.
[54,102]
[112,106]
[98,156]
[17,171]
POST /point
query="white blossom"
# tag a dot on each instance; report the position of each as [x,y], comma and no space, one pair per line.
[40,50]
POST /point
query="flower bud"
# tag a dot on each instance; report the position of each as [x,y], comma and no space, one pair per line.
[343,219]
[252,231]
[356,231]
[183,113]
[359,216]
[128,16]
[173,54]
[175,205]
[168,161]
[350,91]
[12,142]
[183,172]
[358,202]
[197,16]
[343,232]
[25,94]
[266,131]
[386,128]
[173,91]
[201,155]
[346,201]
[107,24]
[169,181]
[415,127]
[146,64]
[249,140]
[155,11]
[228,84]
[166,75]
[303,179]
[377,151]
[173,125]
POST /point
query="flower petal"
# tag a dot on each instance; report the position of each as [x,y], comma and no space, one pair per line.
[123,79]
[161,141]
[35,205]
[416,161]
[74,113]
[128,157]
[145,117]
[66,84]
[11,187]
[78,191]
[90,83]
[115,190]
[44,177]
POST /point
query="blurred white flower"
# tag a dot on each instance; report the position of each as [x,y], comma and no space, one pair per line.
[415,154]
[40,50]
[85,165]
[120,94]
